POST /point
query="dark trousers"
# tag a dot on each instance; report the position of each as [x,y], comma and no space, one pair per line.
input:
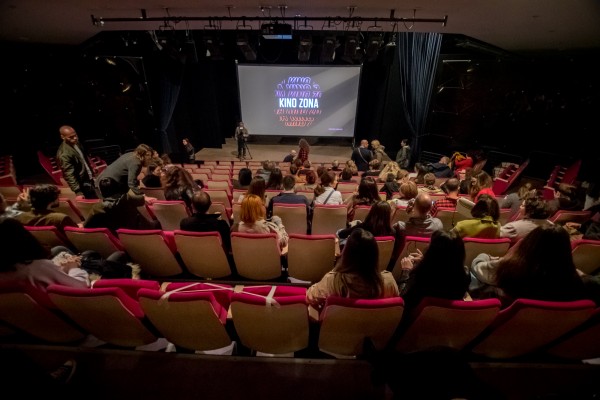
[241,147]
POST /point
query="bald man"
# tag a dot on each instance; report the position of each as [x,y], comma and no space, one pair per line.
[73,162]
[362,155]
[420,222]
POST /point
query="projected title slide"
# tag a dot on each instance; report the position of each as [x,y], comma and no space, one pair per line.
[298,101]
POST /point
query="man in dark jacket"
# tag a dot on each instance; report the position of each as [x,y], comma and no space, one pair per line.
[362,155]
[74,164]
[200,221]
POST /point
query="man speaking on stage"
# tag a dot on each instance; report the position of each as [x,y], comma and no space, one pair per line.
[241,136]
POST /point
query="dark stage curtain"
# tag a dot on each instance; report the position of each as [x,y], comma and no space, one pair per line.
[418,56]
[170,81]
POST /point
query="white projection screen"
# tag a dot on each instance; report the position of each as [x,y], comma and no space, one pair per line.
[290,100]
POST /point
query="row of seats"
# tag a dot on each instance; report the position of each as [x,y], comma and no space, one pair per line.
[8,175]
[508,176]
[275,320]
[560,174]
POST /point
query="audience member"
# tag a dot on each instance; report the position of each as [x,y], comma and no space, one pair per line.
[404,154]
[304,150]
[118,210]
[253,220]
[378,222]
[346,175]
[25,260]
[189,151]
[75,167]
[352,165]
[390,186]
[310,183]
[288,196]
[481,183]
[201,221]
[408,191]
[373,170]
[44,197]
[335,166]
[535,213]
[441,169]
[450,187]
[484,223]
[179,185]
[515,200]
[243,180]
[540,266]
[275,181]
[362,155]
[367,195]
[439,273]
[460,162]
[355,275]
[420,222]
[325,192]
[11,211]
[565,198]
[430,186]
[290,157]
[265,171]
[378,151]
[126,169]
[257,186]
[153,178]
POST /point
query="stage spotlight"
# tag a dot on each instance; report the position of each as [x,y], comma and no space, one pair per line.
[245,47]
[304,48]
[213,47]
[374,43]
[328,49]
[351,49]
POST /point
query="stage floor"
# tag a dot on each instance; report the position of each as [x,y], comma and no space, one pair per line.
[319,151]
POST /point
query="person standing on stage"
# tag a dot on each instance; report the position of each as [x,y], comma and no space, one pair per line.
[241,136]
[189,151]
[403,156]
[74,164]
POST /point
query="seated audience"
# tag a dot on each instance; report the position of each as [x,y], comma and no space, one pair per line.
[335,166]
[258,186]
[290,157]
[44,197]
[450,187]
[390,186]
[565,198]
[374,169]
[430,187]
[408,191]
[481,183]
[391,167]
[24,260]
[253,220]
[288,196]
[243,179]
[535,213]
[420,221]
[460,162]
[515,200]
[201,221]
[325,192]
[539,267]
[310,183]
[346,175]
[179,185]
[11,211]
[356,274]
[275,181]
[484,223]
[117,209]
[367,195]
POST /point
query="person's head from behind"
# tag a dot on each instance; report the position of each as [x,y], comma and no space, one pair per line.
[445,160]
[44,196]
[275,178]
[429,179]
[154,169]
[482,180]
[409,190]
[486,206]
[109,187]
[451,185]
[144,153]
[311,177]
[361,257]
[166,160]
[201,201]
[307,164]
[293,153]
[320,170]
[346,174]
[364,143]
[303,144]
[535,207]
[68,135]
[335,164]
[298,163]
[422,203]
[257,186]
[244,176]
[289,181]
[328,179]
[21,246]
[374,164]
[444,260]
[524,190]
[367,189]
[391,177]
[378,219]
[252,209]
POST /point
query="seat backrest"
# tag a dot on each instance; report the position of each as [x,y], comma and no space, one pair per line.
[386,248]
[527,325]
[586,255]
[157,193]
[309,194]
[219,184]
[560,217]
[581,343]
[188,316]
[293,216]
[51,167]
[399,214]
[216,207]
[347,186]
[449,217]
[411,244]
[169,213]
[448,323]
[85,205]
[494,247]
[66,206]
[310,256]
[235,213]
[10,192]
[346,323]
[360,212]
[328,218]
[21,307]
[50,236]
[220,196]
[202,253]
[98,239]
[245,248]
[271,323]
[505,216]
[152,250]
[107,313]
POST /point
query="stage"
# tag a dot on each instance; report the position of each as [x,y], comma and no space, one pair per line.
[276,149]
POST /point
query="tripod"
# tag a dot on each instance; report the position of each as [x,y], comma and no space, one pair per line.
[245,148]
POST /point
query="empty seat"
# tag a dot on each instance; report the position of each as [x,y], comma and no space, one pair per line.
[169,213]
[203,253]
[152,250]
[97,239]
[328,218]
[293,216]
[256,256]
[310,256]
